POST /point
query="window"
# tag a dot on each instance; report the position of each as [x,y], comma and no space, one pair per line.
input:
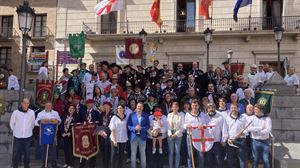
[272,13]
[186,13]
[36,68]
[40,28]
[7,26]
[5,56]
[109,23]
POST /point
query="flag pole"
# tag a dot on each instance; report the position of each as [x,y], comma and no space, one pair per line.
[191,150]
[126,19]
[46,164]
[250,16]
[211,18]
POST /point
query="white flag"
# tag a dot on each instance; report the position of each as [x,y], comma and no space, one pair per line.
[106,6]
[120,55]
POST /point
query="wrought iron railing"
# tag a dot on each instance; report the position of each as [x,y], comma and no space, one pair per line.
[289,23]
[8,32]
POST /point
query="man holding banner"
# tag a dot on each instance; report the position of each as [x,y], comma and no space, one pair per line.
[220,133]
[236,150]
[194,119]
[48,120]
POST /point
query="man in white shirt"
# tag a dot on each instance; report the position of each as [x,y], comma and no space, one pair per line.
[262,76]
[195,119]
[13,83]
[220,133]
[22,124]
[291,78]
[260,130]
[44,117]
[253,77]
[236,154]
[244,86]
[88,75]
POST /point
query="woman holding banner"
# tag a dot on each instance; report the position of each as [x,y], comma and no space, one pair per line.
[66,133]
[118,137]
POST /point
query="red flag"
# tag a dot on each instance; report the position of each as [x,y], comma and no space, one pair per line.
[155,12]
[204,8]
[133,48]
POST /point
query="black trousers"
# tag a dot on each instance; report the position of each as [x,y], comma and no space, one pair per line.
[68,149]
[105,147]
[91,162]
[118,155]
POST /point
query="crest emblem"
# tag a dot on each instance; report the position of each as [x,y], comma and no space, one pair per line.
[203,140]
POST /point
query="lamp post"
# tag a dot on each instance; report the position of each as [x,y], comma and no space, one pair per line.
[25,18]
[143,35]
[229,54]
[208,39]
[278,31]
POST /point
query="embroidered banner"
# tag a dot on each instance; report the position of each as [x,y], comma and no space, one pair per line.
[48,133]
[43,92]
[85,144]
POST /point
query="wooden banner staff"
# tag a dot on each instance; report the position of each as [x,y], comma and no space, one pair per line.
[239,134]
[191,149]
[47,152]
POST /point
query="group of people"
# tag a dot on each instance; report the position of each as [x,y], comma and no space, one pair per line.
[149,113]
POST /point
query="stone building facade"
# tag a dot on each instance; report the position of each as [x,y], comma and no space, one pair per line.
[42,34]
[181,38]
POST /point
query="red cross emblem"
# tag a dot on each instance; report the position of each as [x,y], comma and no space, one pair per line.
[203,139]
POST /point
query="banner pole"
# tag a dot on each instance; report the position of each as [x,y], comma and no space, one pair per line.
[46,164]
[191,151]
[80,159]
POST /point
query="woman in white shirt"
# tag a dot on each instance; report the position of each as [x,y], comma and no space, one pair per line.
[44,69]
[118,137]
[175,121]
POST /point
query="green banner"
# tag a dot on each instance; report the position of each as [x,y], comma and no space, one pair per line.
[77,45]
[265,98]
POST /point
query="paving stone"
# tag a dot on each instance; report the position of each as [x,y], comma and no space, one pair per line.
[5,117]
[5,138]
[4,128]
[3,149]
[290,124]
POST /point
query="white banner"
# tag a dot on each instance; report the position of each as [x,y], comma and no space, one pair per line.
[120,55]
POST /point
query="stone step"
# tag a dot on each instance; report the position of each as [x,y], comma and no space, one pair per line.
[286,101]
[287,155]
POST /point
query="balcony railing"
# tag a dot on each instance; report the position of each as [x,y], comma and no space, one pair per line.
[8,32]
[289,23]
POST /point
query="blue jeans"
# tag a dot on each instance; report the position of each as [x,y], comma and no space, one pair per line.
[135,143]
[174,143]
[200,155]
[260,147]
[239,153]
[21,144]
[214,156]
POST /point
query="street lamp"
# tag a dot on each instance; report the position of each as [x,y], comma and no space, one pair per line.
[143,35]
[278,31]
[229,54]
[208,39]
[25,17]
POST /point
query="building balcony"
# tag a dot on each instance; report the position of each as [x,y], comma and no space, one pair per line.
[8,33]
[219,25]
[41,33]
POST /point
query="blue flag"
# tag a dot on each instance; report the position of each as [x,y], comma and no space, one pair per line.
[238,5]
[48,133]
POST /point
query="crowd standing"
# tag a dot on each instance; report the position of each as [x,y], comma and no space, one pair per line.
[148,113]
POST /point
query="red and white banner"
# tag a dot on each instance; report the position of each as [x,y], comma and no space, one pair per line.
[106,6]
[85,144]
[203,139]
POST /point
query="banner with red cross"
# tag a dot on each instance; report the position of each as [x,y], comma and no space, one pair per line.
[203,139]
